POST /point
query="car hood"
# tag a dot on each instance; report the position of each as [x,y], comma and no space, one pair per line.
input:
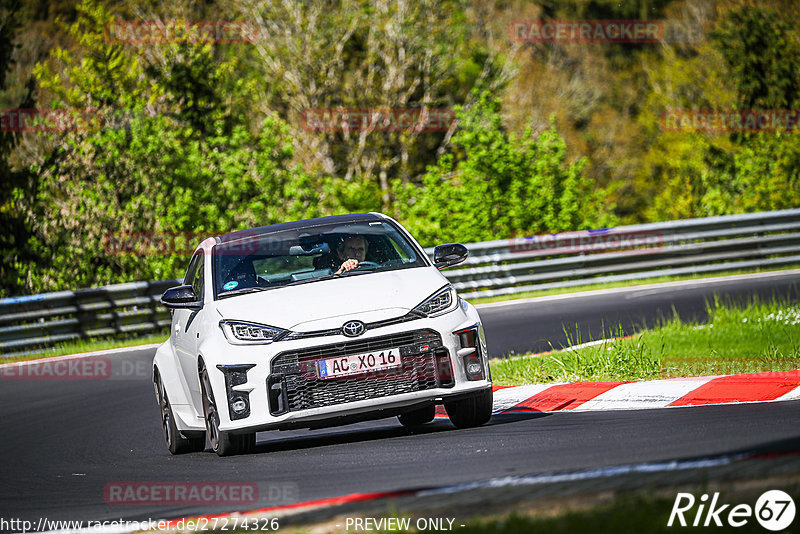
[329,303]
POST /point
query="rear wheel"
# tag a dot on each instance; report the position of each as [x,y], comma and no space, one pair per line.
[223,443]
[417,417]
[176,442]
[471,411]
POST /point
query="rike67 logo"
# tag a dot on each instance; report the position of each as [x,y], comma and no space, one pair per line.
[774,510]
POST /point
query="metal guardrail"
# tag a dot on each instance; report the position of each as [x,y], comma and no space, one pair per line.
[637,252]
[503,267]
[49,318]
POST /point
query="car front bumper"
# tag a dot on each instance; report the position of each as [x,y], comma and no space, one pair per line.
[278,384]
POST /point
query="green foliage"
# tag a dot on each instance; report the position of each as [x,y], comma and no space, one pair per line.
[184,183]
[762,49]
[496,185]
[360,55]
[207,138]
[98,75]
[350,196]
[196,168]
[767,174]
[699,174]
[17,183]
[694,177]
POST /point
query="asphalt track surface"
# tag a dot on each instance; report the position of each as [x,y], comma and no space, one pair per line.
[64,441]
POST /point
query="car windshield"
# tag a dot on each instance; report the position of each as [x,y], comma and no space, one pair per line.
[257,262]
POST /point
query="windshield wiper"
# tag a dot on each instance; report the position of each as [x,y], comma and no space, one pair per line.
[243,290]
[317,279]
[360,270]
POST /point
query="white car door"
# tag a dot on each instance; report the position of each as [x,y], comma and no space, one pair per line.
[185,329]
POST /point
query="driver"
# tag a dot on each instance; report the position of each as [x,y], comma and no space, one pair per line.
[351,251]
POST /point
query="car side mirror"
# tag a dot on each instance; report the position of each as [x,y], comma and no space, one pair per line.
[181,297]
[448,255]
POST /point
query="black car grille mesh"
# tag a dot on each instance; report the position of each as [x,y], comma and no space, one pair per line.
[294,384]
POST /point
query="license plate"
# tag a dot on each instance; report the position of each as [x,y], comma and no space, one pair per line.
[359,363]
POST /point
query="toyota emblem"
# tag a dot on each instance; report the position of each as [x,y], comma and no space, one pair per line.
[353,328]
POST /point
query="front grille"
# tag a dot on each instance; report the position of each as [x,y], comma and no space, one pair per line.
[410,316]
[294,384]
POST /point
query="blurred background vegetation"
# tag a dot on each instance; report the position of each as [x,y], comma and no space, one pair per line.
[209,138]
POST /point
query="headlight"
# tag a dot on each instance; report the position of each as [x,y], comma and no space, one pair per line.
[442,301]
[242,333]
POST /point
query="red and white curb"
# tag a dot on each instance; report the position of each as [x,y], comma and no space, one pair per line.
[696,391]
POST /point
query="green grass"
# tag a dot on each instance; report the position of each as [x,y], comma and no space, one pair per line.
[87,345]
[645,511]
[758,337]
[623,515]
[627,513]
[612,285]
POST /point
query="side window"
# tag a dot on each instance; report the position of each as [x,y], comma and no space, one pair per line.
[406,255]
[194,275]
[199,278]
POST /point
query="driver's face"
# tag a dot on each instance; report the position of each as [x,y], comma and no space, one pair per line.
[354,248]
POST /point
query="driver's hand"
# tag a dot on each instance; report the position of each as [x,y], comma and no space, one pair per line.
[348,265]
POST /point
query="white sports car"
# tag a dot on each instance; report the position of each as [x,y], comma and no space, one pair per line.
[316,323]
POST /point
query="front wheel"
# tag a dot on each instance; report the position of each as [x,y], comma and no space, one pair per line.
[471,411]
[176,443]
[223,443]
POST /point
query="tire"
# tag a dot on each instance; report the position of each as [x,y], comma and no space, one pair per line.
[417,417]
[472,411]
[222,443]
[176,442]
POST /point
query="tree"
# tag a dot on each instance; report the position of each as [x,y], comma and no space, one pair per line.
[170,157]
[17,182]
[496,185]
[701,173]
[355,55]
[762,50]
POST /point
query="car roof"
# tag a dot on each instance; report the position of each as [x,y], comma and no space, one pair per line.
[306,223]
